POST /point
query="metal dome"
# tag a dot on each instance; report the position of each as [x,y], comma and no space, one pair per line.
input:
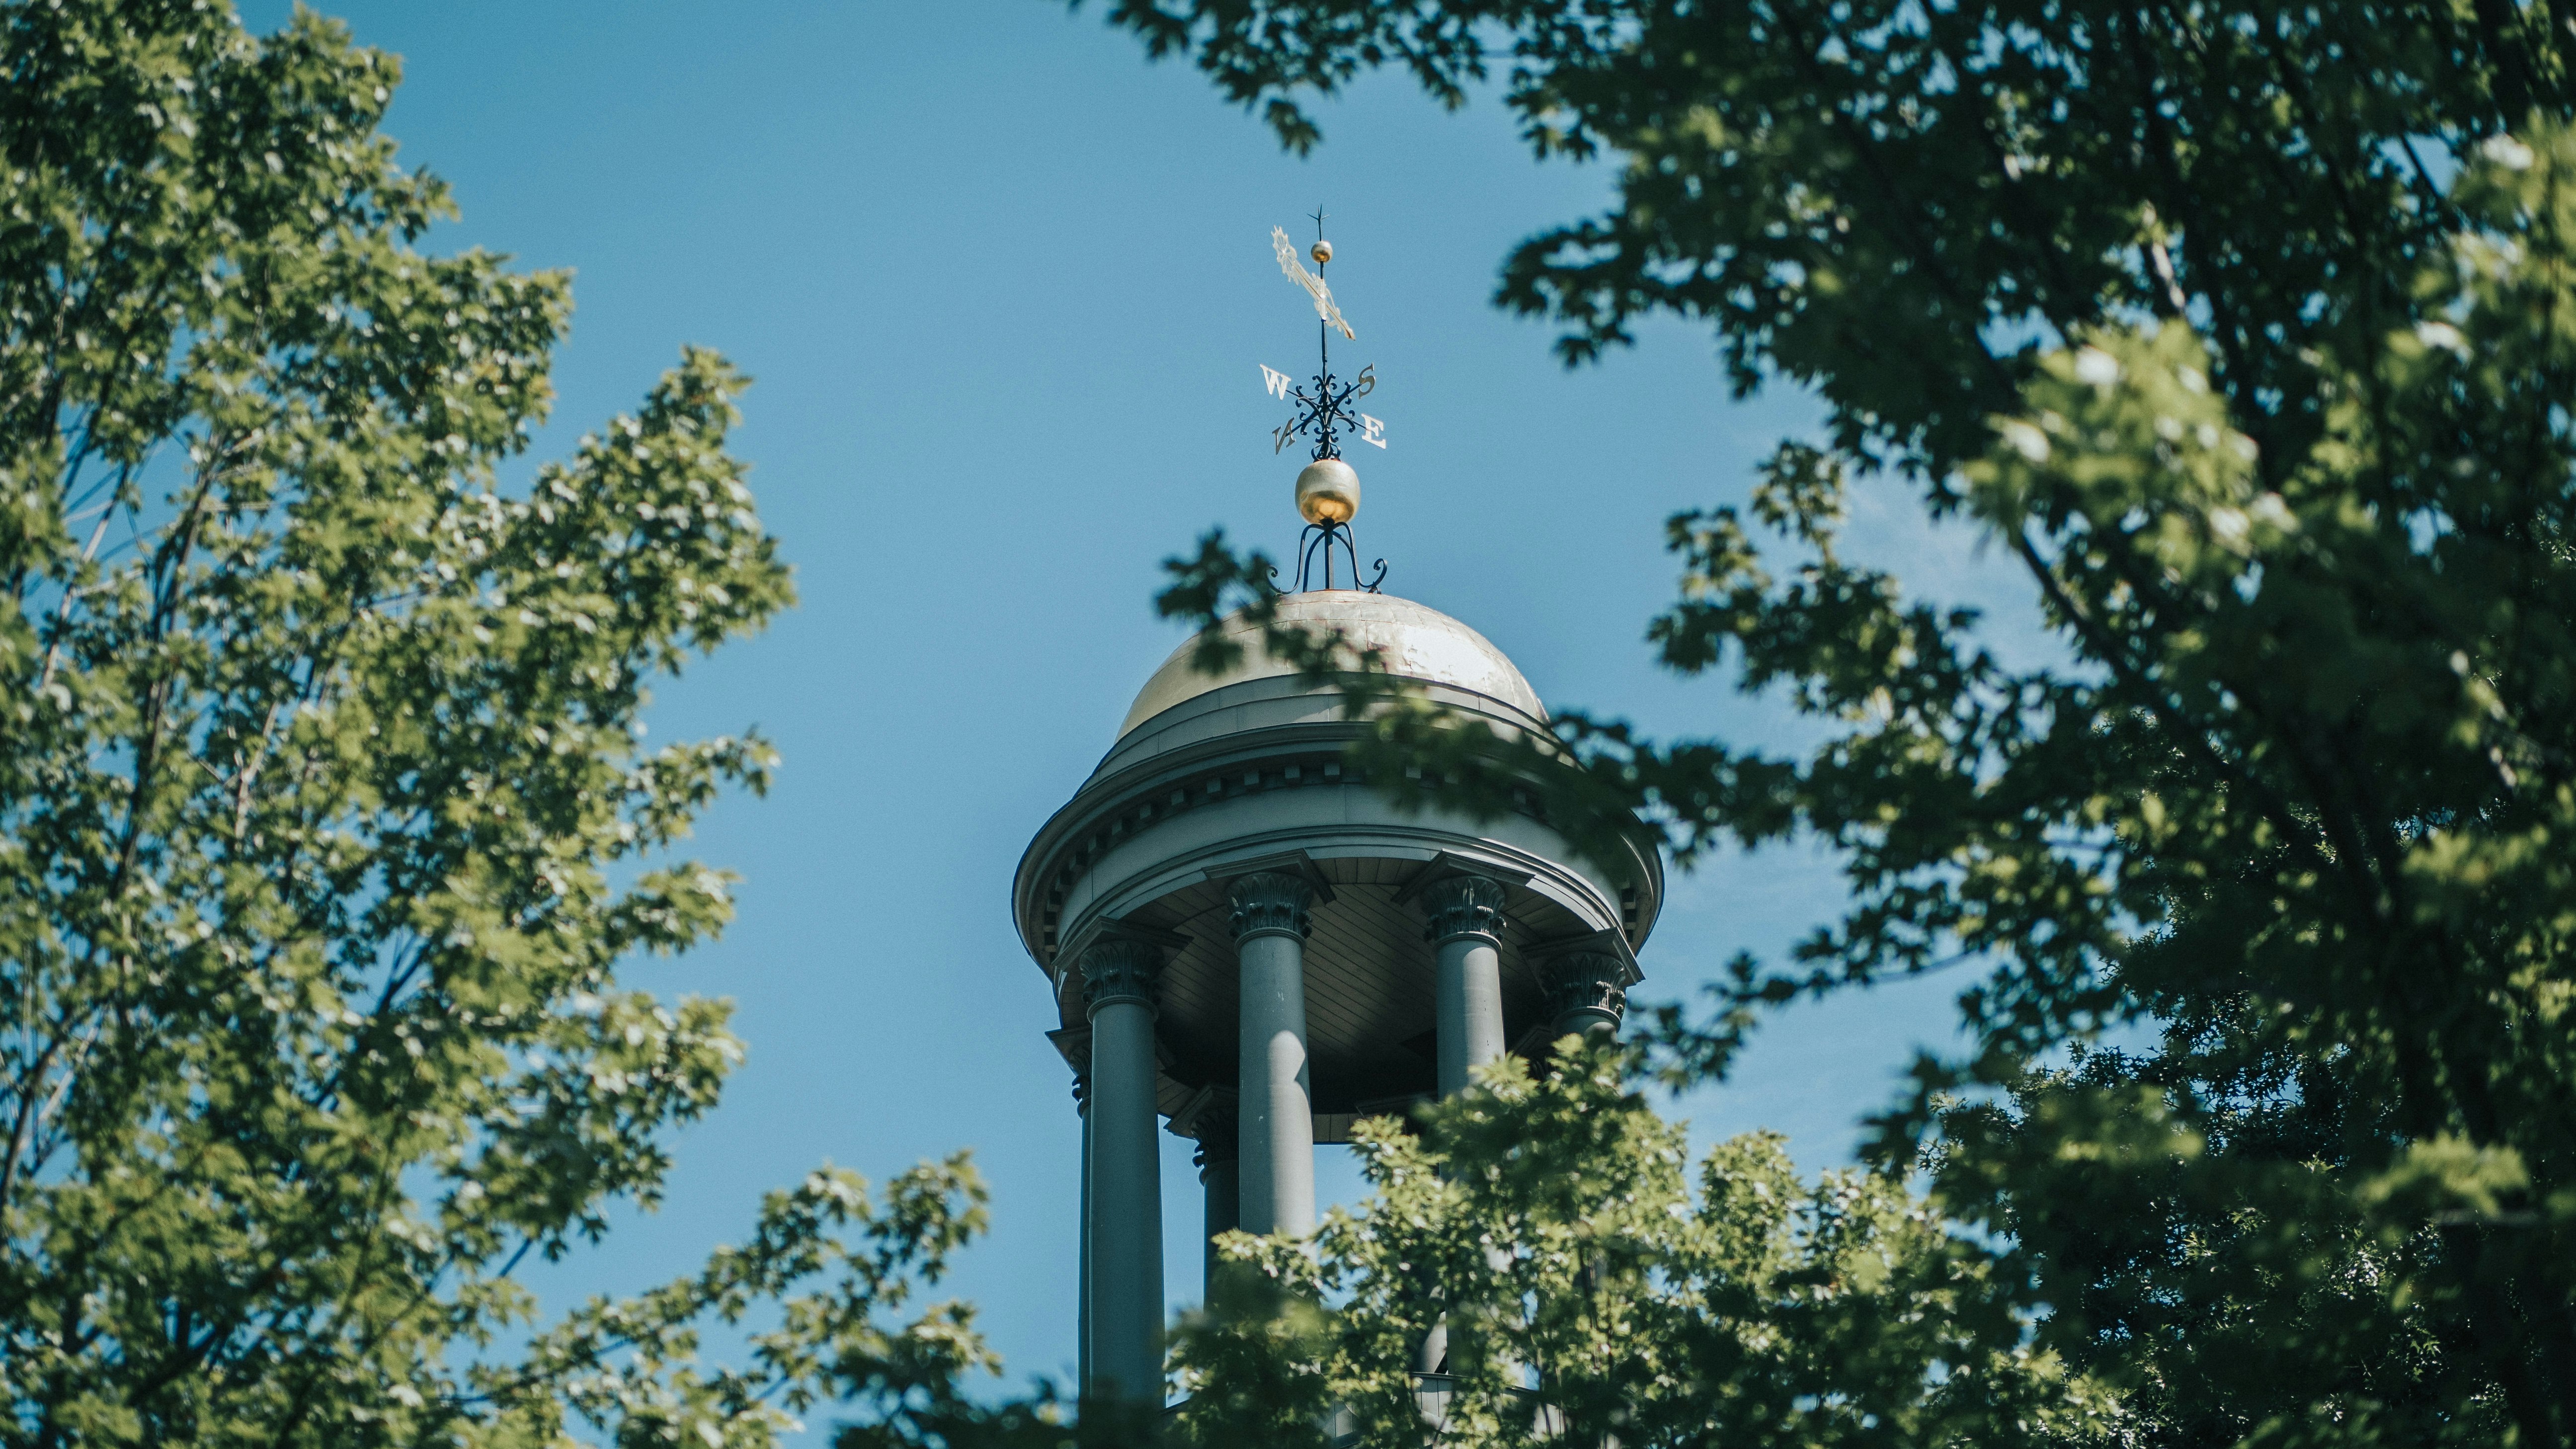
[1419,643]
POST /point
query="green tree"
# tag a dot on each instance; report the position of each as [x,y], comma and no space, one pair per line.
[1589,1294]
[2244,332]
[325,819]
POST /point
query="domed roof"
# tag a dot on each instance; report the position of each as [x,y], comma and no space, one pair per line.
[1419,643]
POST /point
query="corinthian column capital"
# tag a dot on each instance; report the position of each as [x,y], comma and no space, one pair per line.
[1465,905]
[1271,903]
[1585,989]
[1219,1134]
[1119,970]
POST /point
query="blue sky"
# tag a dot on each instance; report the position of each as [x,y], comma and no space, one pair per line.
[1005,288]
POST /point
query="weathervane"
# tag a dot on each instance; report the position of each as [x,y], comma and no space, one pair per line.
[1328,489]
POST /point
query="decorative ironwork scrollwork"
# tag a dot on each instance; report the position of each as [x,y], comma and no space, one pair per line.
[1319,539]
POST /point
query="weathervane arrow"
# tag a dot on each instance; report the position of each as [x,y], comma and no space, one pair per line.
[1325,410]
[1313,284]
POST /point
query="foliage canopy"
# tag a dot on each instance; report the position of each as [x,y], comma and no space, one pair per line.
[1589,1290]
[325,819]
[2244,330]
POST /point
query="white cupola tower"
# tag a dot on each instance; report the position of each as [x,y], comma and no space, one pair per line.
[1251,947]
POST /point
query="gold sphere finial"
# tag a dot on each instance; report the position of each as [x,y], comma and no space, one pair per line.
[1321,251]
[1328,492]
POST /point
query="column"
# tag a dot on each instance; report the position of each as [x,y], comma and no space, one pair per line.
[1123,1226]
[1467,927]
[1082,1325]
[1467,930]
[1221,1178]
[1586,992]
[1276,1108]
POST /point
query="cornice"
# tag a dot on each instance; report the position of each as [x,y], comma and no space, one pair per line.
[1111,808]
